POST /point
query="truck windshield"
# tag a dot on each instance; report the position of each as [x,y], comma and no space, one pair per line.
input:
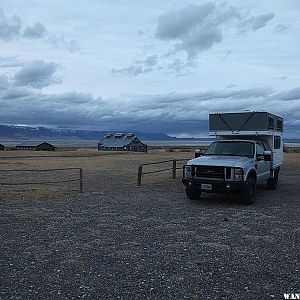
[231,148]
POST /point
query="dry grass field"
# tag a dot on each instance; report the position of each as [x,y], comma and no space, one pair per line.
[121,241]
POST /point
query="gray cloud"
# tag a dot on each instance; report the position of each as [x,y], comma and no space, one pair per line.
[37,31]
[201,39]
[150,61]
[181,67]
[178,23]
[282,27]
[255,23]
[9,27]
[36,74]
[293,94]
[15,93]
[26,106]
[138,67]
[12,28]
[131,70]
[196,28]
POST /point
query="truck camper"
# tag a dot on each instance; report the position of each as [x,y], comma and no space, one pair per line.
[248,150]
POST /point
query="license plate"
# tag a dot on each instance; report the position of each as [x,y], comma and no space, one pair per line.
[206,187]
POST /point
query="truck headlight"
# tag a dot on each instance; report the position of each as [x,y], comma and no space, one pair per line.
[188,171]
[238,174]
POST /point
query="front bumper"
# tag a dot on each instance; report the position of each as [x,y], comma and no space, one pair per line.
[221,187]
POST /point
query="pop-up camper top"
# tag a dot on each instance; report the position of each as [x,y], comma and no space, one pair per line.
[245,123]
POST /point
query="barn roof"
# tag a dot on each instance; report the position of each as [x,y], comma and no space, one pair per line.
[117,139]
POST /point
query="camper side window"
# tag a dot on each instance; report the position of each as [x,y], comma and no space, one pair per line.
[271,123]
[279,125]
[277,142]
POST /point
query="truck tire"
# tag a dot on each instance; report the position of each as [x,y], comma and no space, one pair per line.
[249,191]
[273,182]
[192,195]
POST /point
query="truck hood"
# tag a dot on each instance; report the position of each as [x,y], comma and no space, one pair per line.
[218,160]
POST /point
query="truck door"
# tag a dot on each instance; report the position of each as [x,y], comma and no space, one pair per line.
[263,167]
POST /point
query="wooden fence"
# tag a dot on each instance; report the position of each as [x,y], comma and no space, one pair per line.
[173,168]
[39,171]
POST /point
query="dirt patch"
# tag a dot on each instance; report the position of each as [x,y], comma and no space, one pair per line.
[118,240]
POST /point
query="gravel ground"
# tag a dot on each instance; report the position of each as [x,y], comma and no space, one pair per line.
[120,241]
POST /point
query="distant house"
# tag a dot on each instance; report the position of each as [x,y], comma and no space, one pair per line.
[2,147]
[121,142]
[44,146]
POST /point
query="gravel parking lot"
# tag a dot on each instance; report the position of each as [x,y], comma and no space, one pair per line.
[120,241]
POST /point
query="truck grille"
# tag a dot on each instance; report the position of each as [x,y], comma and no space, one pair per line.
[210,172]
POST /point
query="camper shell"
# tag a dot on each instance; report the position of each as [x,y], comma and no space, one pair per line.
[260,126]
[247,123]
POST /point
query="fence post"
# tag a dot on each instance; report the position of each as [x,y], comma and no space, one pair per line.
[140,171]
[174,169]
[81,180]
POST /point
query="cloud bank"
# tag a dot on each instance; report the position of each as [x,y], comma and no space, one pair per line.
[174,113]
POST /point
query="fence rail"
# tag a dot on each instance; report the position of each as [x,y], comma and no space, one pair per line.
[80,178]
[173,168]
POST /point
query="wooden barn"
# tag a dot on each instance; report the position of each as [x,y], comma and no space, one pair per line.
[44,146]
[2,147]
[121,142]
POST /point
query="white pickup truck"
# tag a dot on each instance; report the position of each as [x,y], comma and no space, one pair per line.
[248,150]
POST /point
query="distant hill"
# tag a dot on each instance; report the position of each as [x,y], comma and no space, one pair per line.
[11,132]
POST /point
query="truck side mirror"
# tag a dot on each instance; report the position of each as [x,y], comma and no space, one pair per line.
[199,152]
[259,157]
[267,155]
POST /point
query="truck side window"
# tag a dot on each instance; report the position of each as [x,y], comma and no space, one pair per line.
[263,146]
[277,142]
[259,150]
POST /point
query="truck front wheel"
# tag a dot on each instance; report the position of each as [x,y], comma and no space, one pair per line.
[249,191]
[273,182]
[192,195]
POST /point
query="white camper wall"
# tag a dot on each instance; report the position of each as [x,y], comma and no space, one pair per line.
[278,155]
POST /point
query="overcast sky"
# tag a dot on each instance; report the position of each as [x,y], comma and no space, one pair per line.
[152,66]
